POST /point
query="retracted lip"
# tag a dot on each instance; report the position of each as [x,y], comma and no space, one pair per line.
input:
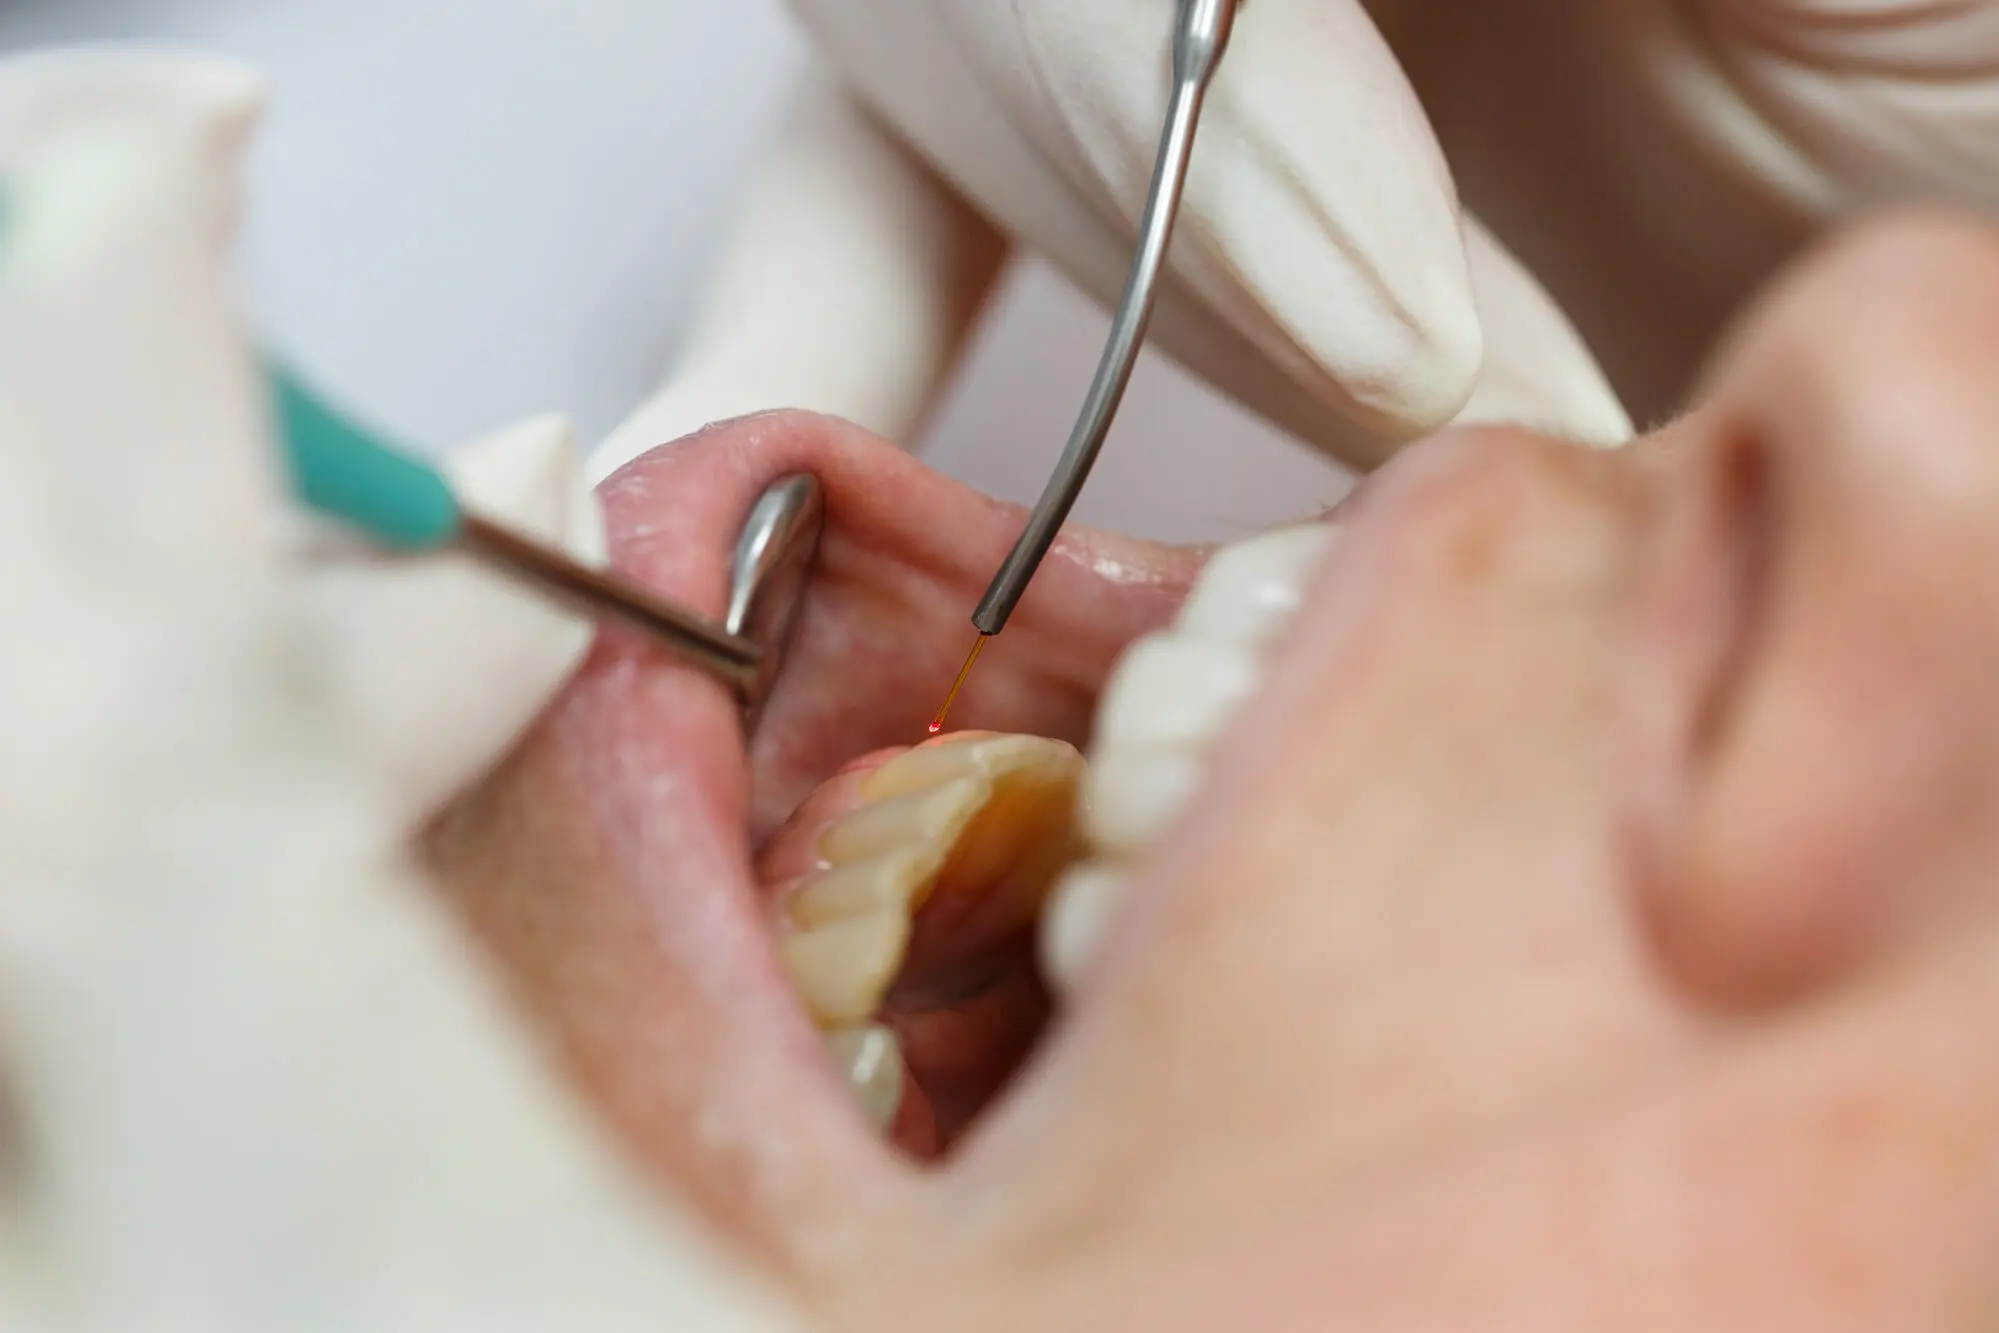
[609,862]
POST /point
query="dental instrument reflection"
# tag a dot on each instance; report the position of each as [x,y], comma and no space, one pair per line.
[1201,35]
[409,508]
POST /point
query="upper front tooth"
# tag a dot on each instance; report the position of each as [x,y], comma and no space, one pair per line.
[1173,689]
[1133,793]
[1078,917]
[1163,708]
[1249,590]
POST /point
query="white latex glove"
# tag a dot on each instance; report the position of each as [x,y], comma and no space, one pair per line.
[1323,273]
[253,1079]
[1654,160]
[439,664]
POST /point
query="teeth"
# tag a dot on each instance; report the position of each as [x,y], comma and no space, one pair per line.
[843,968]
[889,882]
[992,757]
[870,1059]
[1078,912]
[970,812]
[1174,690]
[1170,697]
[1133,793]
[934,815]
[1248,591]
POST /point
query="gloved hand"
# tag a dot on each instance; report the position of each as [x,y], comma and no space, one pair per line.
[1651,162]
[1323,273]
[232,1021]
[437,665]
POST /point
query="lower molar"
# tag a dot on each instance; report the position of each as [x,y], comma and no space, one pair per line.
[913,870]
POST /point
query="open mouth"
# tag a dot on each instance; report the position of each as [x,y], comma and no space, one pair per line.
[791,967]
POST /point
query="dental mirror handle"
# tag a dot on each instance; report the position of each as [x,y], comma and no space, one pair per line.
[1200,37]
[346,474]
[408,507]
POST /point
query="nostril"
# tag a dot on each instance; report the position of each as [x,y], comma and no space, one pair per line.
[1699,654]
[1743,510]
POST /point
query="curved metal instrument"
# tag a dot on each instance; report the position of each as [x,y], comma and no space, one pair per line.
[1199,39]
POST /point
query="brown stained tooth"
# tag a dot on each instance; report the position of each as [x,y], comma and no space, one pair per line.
[841,970]
[976,808]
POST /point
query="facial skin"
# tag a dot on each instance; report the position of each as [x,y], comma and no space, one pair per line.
[1589,924]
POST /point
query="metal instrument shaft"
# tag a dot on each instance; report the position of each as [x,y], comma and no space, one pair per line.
[603,593]
[1200,37]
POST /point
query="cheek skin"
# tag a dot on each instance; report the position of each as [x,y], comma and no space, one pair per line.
[1829,1170]
[1844,797]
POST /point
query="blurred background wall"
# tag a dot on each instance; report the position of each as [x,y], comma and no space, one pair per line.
[468,211]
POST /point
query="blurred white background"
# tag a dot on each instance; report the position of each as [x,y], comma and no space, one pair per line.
[465,213]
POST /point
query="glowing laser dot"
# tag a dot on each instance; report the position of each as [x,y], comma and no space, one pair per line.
[937,723]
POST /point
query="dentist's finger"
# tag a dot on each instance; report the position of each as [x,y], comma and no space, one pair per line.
[130,460]
[215,100]
[1319,274]
[848,289]
[124,191]
[120,180]
[1538,374]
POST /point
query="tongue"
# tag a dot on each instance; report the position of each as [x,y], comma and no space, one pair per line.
[608,863]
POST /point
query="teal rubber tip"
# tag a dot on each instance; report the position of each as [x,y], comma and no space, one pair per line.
[346,473]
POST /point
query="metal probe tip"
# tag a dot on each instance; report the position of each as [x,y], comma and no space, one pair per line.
[1200,36]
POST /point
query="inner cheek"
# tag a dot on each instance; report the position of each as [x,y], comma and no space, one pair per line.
[865,661]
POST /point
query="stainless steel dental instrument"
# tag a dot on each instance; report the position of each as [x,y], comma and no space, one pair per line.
[1200,37]
[408,507]
[773,560]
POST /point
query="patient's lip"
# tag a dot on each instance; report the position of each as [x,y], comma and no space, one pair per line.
[608,863]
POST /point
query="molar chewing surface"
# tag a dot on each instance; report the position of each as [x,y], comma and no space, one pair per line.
[947,813]
[1164,706]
